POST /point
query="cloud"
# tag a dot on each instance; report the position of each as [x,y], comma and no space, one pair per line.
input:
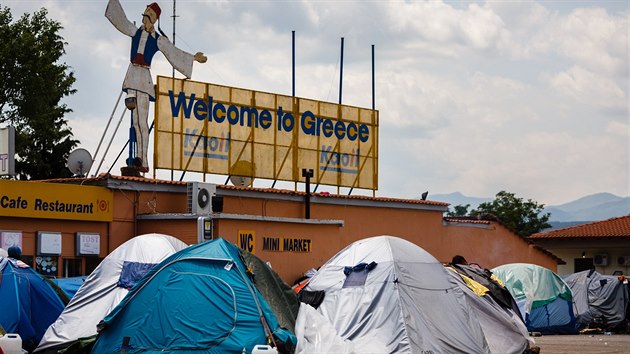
[582,85]
[593,38]
[527,96]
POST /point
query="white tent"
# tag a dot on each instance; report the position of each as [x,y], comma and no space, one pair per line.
[386,295]
[107,286]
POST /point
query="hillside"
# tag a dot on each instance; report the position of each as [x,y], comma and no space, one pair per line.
[595,207]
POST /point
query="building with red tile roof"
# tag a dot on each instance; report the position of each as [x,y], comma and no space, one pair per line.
[603,245]
[66,226]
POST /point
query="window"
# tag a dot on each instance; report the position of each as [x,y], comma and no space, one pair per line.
[71,267]
[581,264]
[91,263]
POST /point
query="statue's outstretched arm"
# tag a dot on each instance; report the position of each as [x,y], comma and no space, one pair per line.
[116,15]
[182,61]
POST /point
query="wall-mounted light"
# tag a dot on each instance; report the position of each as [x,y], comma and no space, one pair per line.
[583,254]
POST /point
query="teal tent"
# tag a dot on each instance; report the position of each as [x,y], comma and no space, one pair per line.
[545,300]
[200,299]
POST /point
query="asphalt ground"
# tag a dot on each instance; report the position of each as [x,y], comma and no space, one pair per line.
[583,343]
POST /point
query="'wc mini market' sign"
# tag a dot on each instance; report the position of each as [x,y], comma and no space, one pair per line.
[210,128]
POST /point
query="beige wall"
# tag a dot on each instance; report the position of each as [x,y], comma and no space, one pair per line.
[588,249]
[490,247]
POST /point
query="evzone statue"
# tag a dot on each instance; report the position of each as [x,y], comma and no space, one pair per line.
[138,84]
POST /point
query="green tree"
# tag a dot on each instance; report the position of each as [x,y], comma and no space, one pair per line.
[524,217]
[32,83]
[458,211]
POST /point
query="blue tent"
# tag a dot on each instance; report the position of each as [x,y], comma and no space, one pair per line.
[28,303]
[70,285]
[200,299]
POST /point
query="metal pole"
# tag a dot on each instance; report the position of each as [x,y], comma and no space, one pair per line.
[110,142]
[173,73]
[293,59]
[105,131]
[341,71]
[132,142]
[123,148]
[373,81]
[340,88]
[307,174]
[292,78]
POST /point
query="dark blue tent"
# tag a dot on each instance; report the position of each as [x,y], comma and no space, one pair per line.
[28,303]
[200,299]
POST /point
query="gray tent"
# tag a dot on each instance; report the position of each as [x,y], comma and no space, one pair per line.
[600,301]
[503,328]
[386,295]
[107,286]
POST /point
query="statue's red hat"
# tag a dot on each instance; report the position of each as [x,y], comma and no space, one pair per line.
[156,8]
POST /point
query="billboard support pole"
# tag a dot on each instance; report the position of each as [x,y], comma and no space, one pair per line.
[340,88]
[373,81]
[293,60]
[307,174]
[341,71]
[292,78]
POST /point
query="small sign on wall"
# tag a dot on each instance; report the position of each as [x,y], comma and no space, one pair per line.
[88,244]
[7,151]
[247,240]
[48,243]
[10,238]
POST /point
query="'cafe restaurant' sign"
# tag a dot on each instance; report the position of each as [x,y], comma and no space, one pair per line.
[31,199]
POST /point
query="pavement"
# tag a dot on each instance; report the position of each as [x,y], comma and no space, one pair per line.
[583,343]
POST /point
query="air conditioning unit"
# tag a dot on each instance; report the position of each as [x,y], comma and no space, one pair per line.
[200,197]
[600,260]
[623,261]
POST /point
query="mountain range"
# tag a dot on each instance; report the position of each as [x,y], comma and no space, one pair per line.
[594,207]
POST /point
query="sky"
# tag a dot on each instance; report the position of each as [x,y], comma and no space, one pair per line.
[530,97]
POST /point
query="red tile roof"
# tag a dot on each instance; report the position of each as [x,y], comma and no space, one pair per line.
[105,176]
[466,220]
[616,227]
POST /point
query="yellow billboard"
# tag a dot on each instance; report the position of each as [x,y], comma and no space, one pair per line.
[208,128]
[29,199]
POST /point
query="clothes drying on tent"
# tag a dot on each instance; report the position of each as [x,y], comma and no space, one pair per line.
[503,328]
[28,302]
[601,301]
[386,295]
[200,299]
[106,286]
[544,299]
[495,287]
